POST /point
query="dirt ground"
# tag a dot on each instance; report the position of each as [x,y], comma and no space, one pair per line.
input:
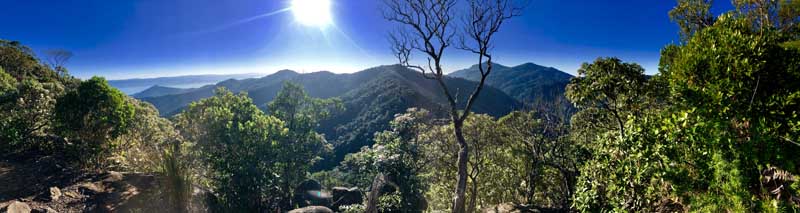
[30,182]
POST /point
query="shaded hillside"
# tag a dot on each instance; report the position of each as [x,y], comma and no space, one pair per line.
[372,97]
[158,90]
[529,83]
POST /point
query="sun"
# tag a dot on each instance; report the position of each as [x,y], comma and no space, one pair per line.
[316,13]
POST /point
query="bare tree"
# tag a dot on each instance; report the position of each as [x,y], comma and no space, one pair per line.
[56,58]
[428,28]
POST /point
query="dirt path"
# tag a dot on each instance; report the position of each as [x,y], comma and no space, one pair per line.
[31,182]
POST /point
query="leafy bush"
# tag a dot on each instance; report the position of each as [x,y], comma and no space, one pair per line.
[92,116]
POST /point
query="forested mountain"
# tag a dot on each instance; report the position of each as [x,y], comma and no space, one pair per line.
[371,98]
[529,83]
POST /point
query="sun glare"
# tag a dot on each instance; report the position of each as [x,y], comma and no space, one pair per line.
[312,12]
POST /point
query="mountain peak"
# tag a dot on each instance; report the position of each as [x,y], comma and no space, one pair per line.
[494,66]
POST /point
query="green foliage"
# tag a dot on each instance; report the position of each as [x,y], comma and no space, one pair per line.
[92,116]
[145,143]
[399,155]
[302,146]
[20,62]
[26,116]
[608,90]
[692,16]
[545,155]
[743,123]
[495,171]
[625,162]
[625,174]
[7,81]
[237,142]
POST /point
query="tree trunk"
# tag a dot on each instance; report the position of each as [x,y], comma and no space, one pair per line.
[473,197]
[463,157]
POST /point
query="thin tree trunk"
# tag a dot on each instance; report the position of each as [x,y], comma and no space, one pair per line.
[463,156]
[473,197]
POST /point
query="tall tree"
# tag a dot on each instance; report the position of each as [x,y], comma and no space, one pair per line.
[303,145]
[428,27]
[611,86]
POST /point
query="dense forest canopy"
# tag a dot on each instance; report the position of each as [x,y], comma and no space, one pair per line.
[717,129]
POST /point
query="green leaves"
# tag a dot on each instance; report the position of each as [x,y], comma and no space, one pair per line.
[238,143]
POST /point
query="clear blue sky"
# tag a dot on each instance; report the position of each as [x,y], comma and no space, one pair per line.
[145,38]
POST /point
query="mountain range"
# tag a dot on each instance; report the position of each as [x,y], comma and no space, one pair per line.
[529,83]
[372,97]
[137,85]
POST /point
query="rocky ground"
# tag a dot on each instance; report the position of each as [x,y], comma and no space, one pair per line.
[44,185]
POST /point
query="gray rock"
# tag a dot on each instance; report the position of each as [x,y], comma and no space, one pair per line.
[18,207]
[45,210]
[312,209]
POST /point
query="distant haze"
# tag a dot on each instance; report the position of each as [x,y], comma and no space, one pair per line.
[132,86]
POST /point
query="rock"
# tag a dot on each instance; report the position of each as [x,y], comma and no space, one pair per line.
[312,209]
[90,189]
[113,177]
[45,210]
[71,194]
[18,207]
[509,208]
[346,196]
[54,194]
[308,185]
[309,192]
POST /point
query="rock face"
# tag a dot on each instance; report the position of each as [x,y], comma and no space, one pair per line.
[18,207]
[312,209]
[346,196]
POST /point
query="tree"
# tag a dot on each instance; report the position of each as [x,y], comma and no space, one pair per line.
[692,16]
[237,144]
[398,155]
[56,59]
[541,139]
[93,115]
[745,127]
[609,86]
[303,145]
[20,62]
[429,30]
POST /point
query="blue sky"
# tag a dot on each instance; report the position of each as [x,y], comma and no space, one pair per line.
[147,38]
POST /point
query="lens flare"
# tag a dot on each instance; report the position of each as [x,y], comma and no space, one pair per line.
[315,13]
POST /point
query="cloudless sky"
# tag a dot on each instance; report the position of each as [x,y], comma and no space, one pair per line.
[147,38]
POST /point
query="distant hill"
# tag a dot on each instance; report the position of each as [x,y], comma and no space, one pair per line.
[137,85]
[529,83]
[372,97]
[158,90]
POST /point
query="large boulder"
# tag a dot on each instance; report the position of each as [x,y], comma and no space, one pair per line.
[312,209]
[18,207]
[346,196]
